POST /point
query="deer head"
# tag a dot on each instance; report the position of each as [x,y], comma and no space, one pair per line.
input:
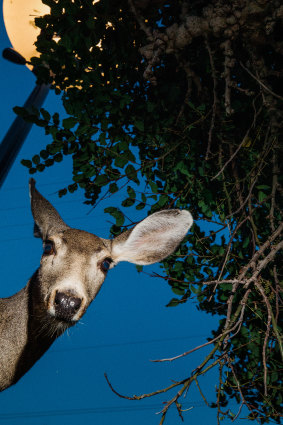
[75,263]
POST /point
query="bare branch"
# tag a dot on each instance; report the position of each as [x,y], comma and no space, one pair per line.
[215,99]
[260,288]
[226,332]
[261,83]
[260,252]
[140,397]
[233,155]
[229,63]
[140,20]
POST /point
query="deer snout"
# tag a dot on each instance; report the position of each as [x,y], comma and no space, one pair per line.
[66,306]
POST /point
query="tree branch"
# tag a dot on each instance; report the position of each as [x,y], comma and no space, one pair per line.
[261,83]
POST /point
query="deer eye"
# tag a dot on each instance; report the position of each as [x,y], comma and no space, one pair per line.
[48,248]
[105,264]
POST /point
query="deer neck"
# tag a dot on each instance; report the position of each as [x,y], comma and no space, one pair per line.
[26,332]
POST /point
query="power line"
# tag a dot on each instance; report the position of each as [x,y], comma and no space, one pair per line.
[91,411]
[146,341]
[10,189]
[21,207]
[82,217]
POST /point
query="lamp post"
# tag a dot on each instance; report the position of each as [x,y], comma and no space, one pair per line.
[19,18]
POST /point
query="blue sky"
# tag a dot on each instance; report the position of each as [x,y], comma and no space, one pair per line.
[126,326]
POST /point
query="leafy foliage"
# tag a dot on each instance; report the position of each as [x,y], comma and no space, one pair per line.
[186,97]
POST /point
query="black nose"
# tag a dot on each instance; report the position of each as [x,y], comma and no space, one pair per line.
[66,306]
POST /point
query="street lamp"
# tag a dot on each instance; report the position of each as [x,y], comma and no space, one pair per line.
[19,18]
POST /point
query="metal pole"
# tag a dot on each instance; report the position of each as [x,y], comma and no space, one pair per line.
[16,135]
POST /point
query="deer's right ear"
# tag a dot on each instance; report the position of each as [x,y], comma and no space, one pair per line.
[47,221]
[153,239]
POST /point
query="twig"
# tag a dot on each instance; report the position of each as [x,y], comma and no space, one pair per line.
[260,82]
[142,396]
[277,289]
[233,156]
[201,393]
[215,99]
[240,311]
[200,370]
[229,63]
[275,173]
[255,173]
[268,306]
[262,264]
[140,20]
[244,140]
[237,182]
[239,389]
[188,382]
[241,318]
[212,282]
[252,262]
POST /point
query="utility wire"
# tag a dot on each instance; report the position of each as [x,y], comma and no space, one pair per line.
[120,344]
[21,207]
[91,411]
[10,189]
[82,217]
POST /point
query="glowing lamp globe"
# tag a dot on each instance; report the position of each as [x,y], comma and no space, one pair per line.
[19,16]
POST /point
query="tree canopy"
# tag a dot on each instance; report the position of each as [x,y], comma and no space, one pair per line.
[187,97]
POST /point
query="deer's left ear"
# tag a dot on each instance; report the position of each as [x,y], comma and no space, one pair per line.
[153,239]
[47,221]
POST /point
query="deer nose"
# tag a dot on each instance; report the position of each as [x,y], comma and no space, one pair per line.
[66,306]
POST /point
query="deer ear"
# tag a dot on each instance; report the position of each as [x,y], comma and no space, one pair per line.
[153,239]
[47,221]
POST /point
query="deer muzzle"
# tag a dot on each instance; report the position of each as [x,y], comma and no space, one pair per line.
[66,306]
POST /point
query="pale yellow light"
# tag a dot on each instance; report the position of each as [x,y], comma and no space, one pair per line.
[99,45]
[19,16]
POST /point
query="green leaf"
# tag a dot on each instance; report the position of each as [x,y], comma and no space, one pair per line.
[101,180]
[140,206]
[162,201]
[44,154]
[261,196]
[58,157]
[131,192]
[62,192]
[55,118]
[178,291]
[131,173]
[153,186]
[45,114]
[69,123]
[246,242]
[72,187]
[26,163]
[173,303]
[36,159]
[139,125]
[121,161]
[117,214]
[49,162]
[128,202]
[113,188]
[40,167]
[183,168]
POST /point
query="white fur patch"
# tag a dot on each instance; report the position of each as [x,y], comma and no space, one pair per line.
[71,284]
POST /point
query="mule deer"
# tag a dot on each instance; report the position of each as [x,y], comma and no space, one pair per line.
[72,269]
